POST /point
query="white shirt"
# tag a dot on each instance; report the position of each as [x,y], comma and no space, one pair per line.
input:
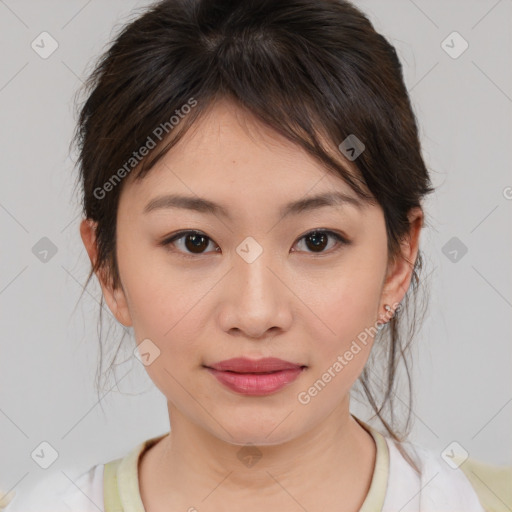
[395,485]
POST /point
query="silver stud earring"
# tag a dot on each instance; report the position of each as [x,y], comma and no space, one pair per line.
[389,312]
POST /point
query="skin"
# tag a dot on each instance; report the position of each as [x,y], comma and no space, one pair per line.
[294,303]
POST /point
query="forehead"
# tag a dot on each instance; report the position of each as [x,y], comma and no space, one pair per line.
[228,152]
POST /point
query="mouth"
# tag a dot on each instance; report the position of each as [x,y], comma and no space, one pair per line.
[245,365]
[255,377]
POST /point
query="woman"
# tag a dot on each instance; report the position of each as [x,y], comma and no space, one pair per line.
[252,188]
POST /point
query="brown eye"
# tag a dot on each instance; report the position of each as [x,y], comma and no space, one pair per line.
[316,241]
[196,243]
[191,242]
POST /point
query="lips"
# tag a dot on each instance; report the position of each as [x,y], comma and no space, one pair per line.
[265,365]
[255,377]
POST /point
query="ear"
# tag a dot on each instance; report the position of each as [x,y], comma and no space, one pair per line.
[114,297]
[399,273]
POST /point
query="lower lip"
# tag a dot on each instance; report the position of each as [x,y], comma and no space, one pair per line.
[256,384]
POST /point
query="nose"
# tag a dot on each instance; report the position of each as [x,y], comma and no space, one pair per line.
[257,303]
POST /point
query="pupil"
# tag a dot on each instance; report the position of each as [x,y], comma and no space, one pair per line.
[197,242]
[316,242]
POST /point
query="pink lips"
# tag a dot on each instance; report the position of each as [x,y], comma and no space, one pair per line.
[255,377]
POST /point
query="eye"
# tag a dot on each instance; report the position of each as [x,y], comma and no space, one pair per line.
[318,239]
[195,242]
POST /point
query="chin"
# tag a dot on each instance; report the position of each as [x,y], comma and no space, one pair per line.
[257,433]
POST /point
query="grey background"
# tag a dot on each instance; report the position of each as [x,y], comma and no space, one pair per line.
[49,348]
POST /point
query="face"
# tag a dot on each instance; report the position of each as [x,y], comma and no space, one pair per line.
[307,286]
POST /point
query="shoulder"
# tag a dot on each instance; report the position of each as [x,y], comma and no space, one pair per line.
[86,493]
[62,492]
[58,492]
[449,482]
[492,483]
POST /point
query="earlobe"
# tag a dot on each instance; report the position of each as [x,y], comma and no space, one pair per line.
[114,297]
[119,306]
[88,235]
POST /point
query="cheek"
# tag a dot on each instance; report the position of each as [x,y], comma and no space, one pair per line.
[167,313]
[343,344]
[163,304]
[348,305]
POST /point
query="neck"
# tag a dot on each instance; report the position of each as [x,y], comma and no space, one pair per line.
[337,456]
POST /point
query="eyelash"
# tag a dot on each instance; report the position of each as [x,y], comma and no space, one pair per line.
[342,241]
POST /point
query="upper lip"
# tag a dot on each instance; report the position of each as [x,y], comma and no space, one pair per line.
[245,365]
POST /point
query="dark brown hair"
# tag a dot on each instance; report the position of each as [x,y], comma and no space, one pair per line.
[316,71]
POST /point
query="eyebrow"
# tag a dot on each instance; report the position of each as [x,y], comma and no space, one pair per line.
[202,205]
